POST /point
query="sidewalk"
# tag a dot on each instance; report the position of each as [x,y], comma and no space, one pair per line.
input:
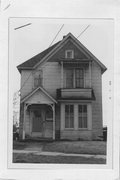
[45,153]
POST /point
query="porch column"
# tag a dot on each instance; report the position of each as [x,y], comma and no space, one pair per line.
[53,121]
[23,135]
[90,78]
[61,74]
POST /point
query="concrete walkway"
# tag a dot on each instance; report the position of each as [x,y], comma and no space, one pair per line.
[45,153]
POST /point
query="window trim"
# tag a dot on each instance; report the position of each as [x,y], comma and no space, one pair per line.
[69,50]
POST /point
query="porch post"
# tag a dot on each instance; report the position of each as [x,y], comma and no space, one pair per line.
[23,135]
[53,121]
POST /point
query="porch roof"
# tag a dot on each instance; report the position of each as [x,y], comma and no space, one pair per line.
[38,95]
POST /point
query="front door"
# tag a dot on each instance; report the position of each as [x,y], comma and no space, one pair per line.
[38,123]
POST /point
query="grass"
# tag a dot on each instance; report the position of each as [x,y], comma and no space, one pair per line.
[31,158]
[78,147]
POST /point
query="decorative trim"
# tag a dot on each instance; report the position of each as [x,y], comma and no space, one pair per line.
[43,90]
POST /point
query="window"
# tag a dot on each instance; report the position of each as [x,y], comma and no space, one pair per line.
[69,54]
[69,116]
[74,78]
[38,78]
[69,78]
[82,116]
[49,114]
[79,78]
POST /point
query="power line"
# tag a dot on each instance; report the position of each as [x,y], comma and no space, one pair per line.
[49,46]
[56,35]
[22,26]
[83,31]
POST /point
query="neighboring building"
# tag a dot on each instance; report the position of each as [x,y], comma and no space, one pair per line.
[61,93]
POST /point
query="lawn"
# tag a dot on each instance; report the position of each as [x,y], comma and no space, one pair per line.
[78,147]
[32,158]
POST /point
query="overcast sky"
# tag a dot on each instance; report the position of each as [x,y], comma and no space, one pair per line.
[28,41]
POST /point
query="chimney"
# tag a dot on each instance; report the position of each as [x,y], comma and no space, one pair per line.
[64,37]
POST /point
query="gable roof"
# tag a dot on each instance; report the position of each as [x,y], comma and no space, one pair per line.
[46,54]
[29,64]
[34,91]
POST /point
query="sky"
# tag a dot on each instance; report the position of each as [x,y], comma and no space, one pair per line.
[28,41]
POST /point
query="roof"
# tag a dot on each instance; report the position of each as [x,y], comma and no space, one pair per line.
[29,64]
[46,54]
[34,91]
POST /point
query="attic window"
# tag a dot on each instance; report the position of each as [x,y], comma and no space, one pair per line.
[69,54]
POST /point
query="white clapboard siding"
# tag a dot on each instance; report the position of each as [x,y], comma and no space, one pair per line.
[26,83]
[52,77]
[97,104]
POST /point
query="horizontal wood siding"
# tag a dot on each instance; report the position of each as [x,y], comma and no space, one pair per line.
[97,104]
[26,83]
[52,77]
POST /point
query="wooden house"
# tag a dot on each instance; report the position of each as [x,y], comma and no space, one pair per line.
[61,93]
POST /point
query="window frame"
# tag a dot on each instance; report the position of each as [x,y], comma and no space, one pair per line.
[69,51]
[38,78]
[72,128]
[74,78]
[83,128]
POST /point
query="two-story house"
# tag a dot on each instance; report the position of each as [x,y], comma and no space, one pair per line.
[61,93]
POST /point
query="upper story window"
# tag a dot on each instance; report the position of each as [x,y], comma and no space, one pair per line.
[38,78]
[69,54]
[74,78]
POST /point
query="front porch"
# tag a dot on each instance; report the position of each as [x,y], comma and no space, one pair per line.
[38,115]
[41,120]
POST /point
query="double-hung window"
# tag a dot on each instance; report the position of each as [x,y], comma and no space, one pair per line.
[69,116]
[79,78]
[74,78]
[69,78]
[82,116]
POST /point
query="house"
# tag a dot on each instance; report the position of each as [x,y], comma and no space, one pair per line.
[61,93]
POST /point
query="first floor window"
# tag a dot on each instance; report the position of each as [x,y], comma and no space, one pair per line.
[49,113]
[82,116]
[69,116]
